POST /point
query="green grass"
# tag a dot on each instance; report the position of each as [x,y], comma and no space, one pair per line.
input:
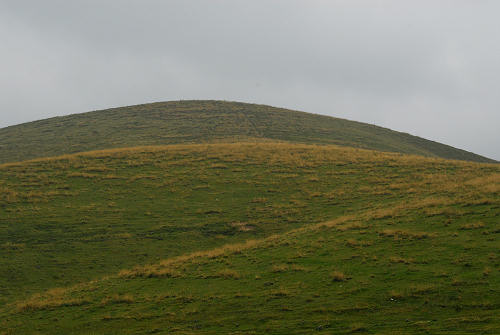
[204,121]
[249,239]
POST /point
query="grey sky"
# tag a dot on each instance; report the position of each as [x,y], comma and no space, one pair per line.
[430,68]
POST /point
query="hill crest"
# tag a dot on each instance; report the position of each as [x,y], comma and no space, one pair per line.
[205,121]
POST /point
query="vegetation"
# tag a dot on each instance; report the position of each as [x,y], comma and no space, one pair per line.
[179,122]
[249,238]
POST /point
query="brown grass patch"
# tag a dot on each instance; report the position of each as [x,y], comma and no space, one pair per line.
[228,274]
[51,299]
[405,234]
[352,226]
[338,276]
[470,226]
[243,226]
[118,299]
[401,260]
[149,272]
[279,268]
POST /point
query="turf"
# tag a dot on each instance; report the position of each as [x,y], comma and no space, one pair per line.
[179,122]
[247,239]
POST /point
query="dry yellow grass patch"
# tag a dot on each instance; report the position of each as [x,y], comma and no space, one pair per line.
[475,225]
[412,291]
[357,243]
[352,226]
[420,289]
[243,226]
[396,294]
[401,260]
[8,195]
[50,299]
[338,276]
[149,272]
[489,184]
[169,266]
[405,234]
[384,213]
[228,274]
[299,268]
[433,202]
[280,292]
[118,299]
[279,268]
[273,153]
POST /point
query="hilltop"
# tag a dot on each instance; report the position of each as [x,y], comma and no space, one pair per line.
[178,122]
[251,238]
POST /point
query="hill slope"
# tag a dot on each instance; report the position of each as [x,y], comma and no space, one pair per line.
[204,121]
[249,238]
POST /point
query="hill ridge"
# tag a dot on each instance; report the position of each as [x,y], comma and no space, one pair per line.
[152,148]
[205,121]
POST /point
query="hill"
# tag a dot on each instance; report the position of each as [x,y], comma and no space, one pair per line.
[274,238]
[179,122]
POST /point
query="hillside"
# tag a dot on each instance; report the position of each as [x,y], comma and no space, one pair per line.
[249,238]
[179,122]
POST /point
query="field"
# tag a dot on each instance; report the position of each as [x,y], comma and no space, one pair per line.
[249,238]
[182,122]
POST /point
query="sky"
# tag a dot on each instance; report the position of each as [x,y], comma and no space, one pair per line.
[428,68]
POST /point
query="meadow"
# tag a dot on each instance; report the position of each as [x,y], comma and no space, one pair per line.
[249,238]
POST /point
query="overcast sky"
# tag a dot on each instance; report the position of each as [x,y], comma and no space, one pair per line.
[429,68]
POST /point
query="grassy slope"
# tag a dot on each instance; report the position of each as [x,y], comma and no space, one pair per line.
[413,245]
[75,218]
[203,121]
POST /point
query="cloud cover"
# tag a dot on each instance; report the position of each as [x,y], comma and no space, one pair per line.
[424,67]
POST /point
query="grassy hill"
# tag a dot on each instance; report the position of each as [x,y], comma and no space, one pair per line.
[248,238]
[179,122]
